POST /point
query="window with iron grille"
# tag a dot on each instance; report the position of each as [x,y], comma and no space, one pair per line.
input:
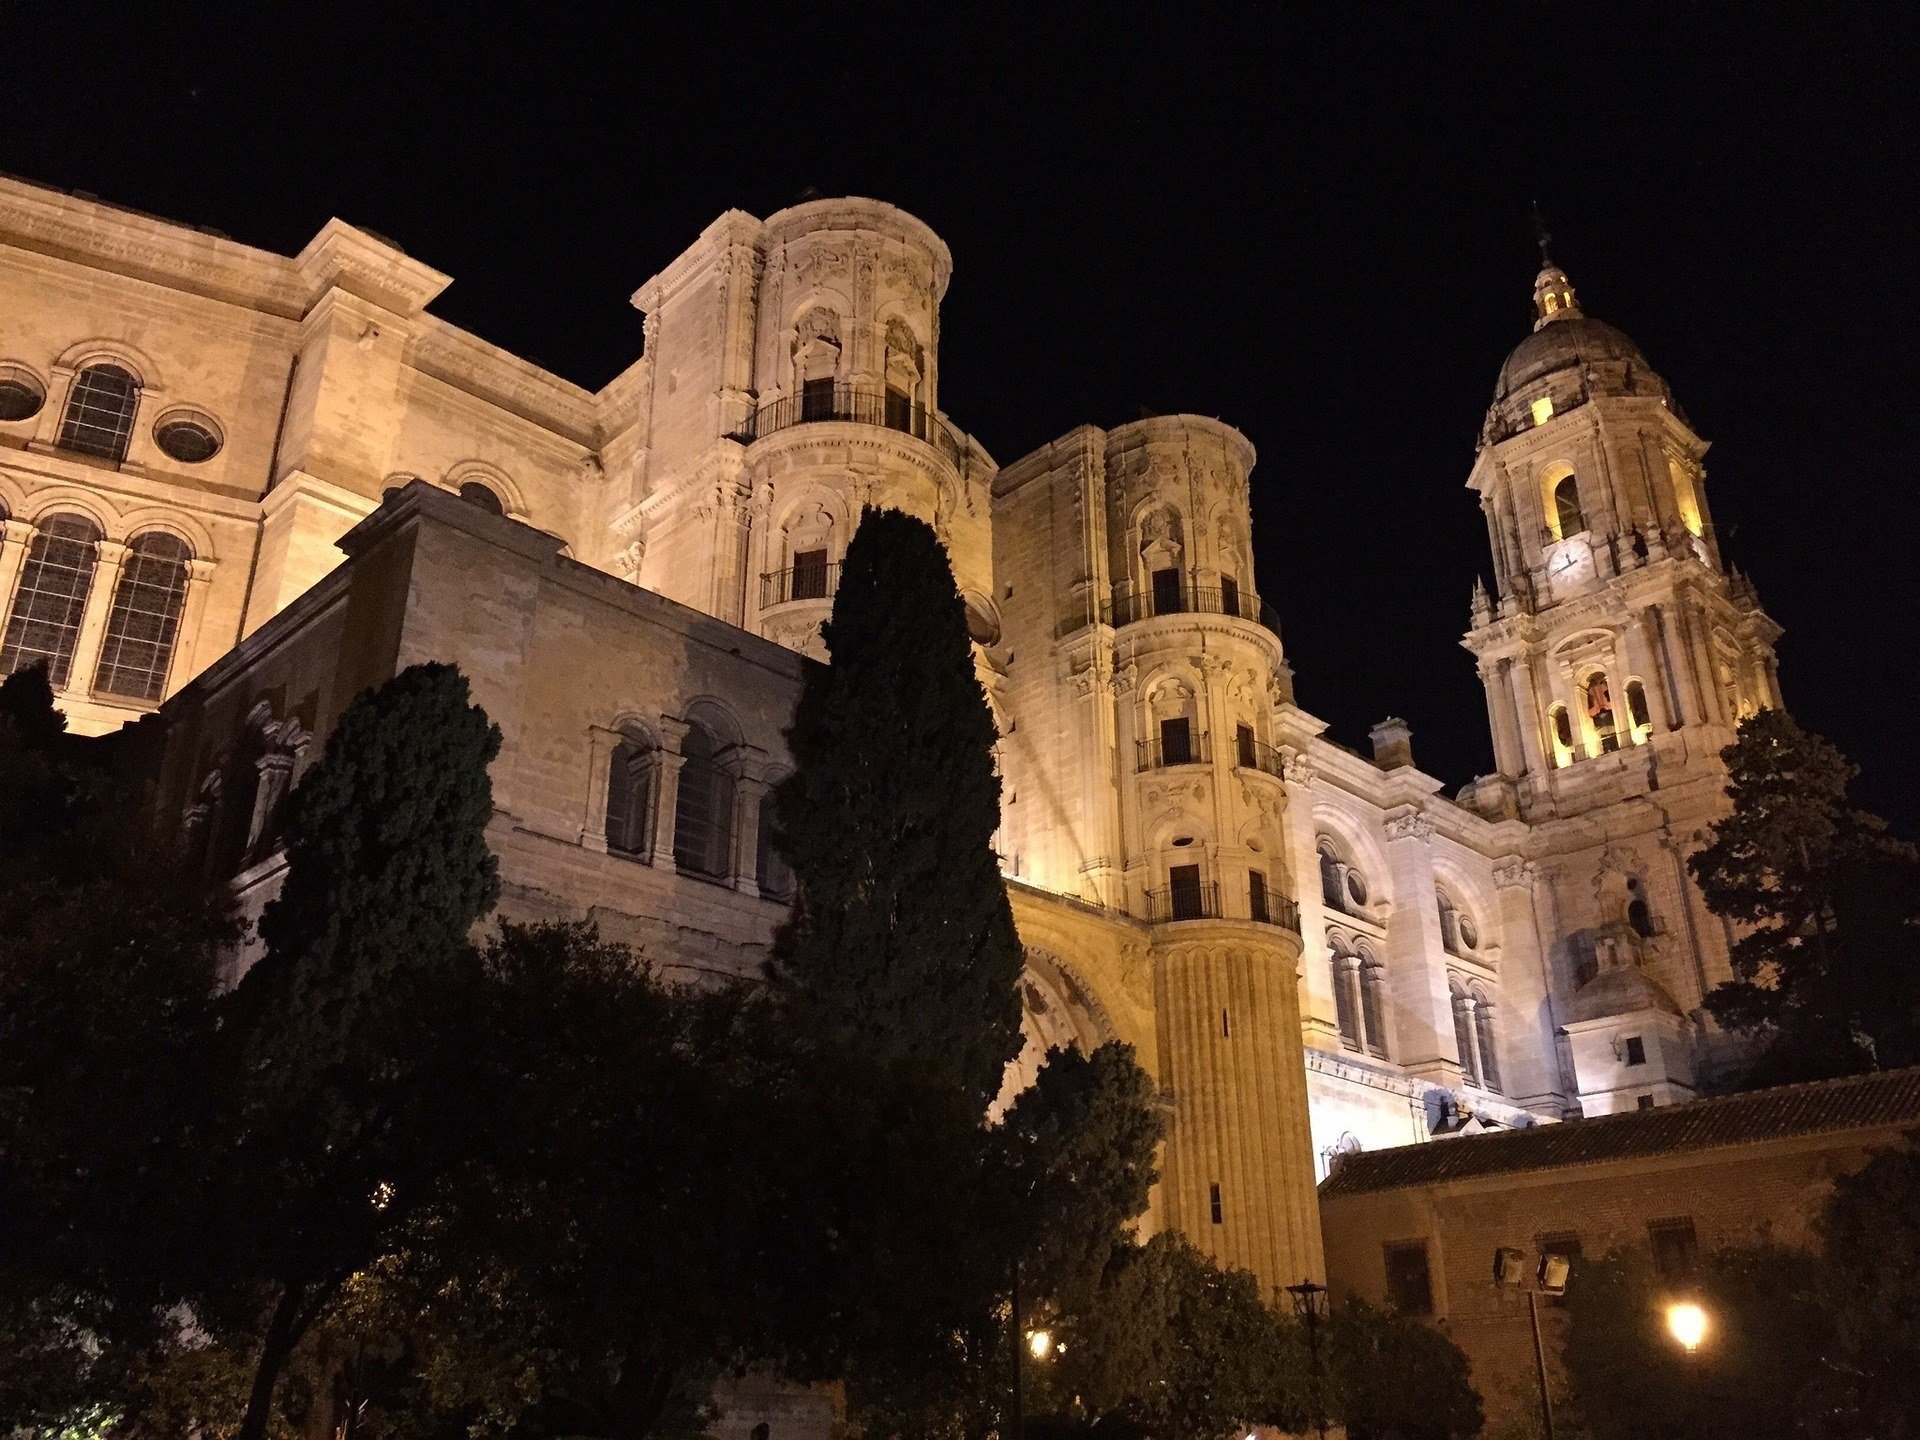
[1185,895]
[703,816]
[1676,1246]
[52,598]
[1246,748]
[1168,596]
[816,399]
[630,796]
[1257,897]
[99,414]
[144,624]
[1409,1278]
[1176,741]
[1229,595]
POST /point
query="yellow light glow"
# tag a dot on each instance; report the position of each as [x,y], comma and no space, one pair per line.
[1543,410]
[1040,1343]
[1687,1323]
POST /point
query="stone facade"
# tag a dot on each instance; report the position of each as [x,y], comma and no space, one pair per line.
[1419,1228]
[1312,950]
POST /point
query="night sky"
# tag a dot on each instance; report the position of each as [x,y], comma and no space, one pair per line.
[1314,229]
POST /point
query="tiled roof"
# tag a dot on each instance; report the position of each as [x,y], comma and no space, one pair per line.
[1891,1097]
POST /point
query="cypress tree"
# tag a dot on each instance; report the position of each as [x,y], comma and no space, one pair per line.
[354,1042]
[901,940]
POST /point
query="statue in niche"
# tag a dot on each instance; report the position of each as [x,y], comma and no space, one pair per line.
[1599,698]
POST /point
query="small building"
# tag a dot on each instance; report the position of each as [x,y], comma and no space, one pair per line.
[1417,1227]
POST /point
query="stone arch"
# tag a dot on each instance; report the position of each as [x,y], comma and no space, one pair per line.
[181,526]
[44,504]
[1362,850]
[716,717]
[1057,1010]
[494,478]
[101,350]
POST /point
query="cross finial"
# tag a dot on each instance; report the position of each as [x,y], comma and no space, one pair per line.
[1541,237]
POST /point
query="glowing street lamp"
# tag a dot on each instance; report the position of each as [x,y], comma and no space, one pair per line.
[1687,1323]
[1039,1343]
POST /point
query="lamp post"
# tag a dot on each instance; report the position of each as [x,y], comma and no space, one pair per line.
[1688,1324]
[1509,1269]
[1310,1304]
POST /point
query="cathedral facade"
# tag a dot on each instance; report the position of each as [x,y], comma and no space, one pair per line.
[237,488]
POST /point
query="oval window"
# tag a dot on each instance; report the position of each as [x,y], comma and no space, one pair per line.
[1469,932]
[188,441]
[20,398]
[1356,887]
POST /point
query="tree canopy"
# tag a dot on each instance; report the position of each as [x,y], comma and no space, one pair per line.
[1827,905]
[902,936]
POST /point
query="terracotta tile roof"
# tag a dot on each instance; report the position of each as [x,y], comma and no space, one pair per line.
[1855,1102]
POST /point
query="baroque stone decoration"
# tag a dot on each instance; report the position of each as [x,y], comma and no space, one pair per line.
[633,577]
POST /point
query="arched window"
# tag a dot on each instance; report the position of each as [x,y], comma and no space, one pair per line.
[1638,716]
[483,497]
[52,597]
[1464,1039]
[776,877]
[1489,1051]
[145,621]
[1597,693]
[99,414]
[1561,724]
[1639,914]
[1333,877]
[1449,922]
[630,795]
[1373,1009]
[703,817]
[1569,519]
[1345,1009]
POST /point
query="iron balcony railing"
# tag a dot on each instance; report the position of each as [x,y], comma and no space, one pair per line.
[1190,599]
[799,582]
[1249,754]
[887,408]
[1184,902]
[1202,902]
[1159,754]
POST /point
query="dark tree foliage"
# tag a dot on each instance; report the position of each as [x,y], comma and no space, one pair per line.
[1171,1347]
[1759,1366]
[108,963]
[1393,1377]
[352,1034]
[902,937]
[1871,1302]
[1828,907]
[1077,1151]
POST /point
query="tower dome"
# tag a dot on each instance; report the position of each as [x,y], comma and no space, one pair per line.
[1568,359]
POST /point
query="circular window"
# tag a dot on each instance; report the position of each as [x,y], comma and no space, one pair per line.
[20,397]
[1469,932]
[188,441]
[1356,888]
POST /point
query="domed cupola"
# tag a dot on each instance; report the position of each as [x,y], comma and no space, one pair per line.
[1569,359]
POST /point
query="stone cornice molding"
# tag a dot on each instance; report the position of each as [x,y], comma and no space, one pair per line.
[732,227]
[499,377]
[345,257]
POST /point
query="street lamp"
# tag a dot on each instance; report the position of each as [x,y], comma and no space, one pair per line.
[1039,1343]
[1509,1269]
[1310,1304]
[1687,1323]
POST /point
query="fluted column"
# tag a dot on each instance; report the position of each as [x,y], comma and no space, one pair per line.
[1239,1177]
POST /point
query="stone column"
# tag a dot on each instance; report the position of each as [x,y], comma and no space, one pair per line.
[15,537]
[1657,669]
[749,794]
[93,622]
[1523,685]
[1319,1019]
[601,745]
[666,793]
[1422,1004]
[1229,1028]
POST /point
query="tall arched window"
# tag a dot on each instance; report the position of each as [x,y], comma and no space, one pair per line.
[1489,1051]
[99,416]
[1569,519]
[1346,1011]
[1333,879]
[1373,1008]
[703,818]
[1464,1039]
[52,597]
[145,621]
[630,795]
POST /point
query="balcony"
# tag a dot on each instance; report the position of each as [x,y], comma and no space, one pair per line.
[1202,902]
[799,582]
[1250,754]
[1190,599]
[889,409]
[1161,753]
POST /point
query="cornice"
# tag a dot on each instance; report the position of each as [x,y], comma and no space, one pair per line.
[499,377]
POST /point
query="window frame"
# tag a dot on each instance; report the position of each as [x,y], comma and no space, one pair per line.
[79,415]
[138,572]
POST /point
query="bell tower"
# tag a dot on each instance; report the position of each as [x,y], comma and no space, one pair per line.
[1618,655]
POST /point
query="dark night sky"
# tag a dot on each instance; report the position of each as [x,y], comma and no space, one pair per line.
[1315,229]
